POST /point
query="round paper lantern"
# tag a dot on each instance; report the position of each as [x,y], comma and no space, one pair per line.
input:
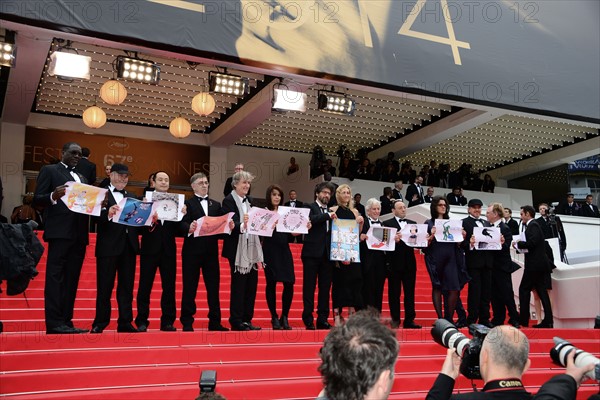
[203,103]
[180,127]
[113,92]
[94,117]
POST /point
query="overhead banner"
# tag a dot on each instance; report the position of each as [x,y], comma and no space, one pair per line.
[524,55]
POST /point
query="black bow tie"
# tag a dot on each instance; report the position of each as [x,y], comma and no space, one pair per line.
[401,220]
[245,199]
[122,191]
[202,198]
[375,222]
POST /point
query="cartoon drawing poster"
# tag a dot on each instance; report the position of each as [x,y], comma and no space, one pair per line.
[84,199]
[261,221]
[207,225]
[345,240]
[168,206]
[293,219]
[487,238]
[448,230]
[381,238]
[133,212]
[415,235]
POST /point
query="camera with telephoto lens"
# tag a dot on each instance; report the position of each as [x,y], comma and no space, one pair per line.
[561,350]
[446,334]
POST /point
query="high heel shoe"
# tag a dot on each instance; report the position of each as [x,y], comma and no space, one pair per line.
[275,323]
[283,321]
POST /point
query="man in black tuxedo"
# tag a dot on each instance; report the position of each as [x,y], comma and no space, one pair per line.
[552,227]
[429,195]
[244,253]
[403,271]
[294,202]
[512,224]
[117,246]
[589,209]
[358,205]
[85,167]
[315,259]
[158,251]
[503,296]
[479,265]
[228,188]
[414,193]
[456,198]
[200,253]
[397,191]
[537,269]
[67,235]
[568,207]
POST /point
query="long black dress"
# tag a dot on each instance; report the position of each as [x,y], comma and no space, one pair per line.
[279,264]
[346,290]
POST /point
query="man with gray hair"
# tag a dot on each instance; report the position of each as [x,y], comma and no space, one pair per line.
[200,254]
[503,360]
[358,359]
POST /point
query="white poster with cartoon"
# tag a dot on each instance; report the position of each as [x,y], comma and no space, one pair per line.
[415,235]
[261,221]
[381,238]
[487,238]
[84,199]
[168,206]
[448,230]
[293,220]
[345,241]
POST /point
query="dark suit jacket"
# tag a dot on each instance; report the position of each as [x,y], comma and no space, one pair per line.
[586,211]
[403,257]
[230,242]
[475,259]
[456,200]
[536,259]
[202,244]
[299,204]
[227,188]
[428,199]
[410,192]
[112,237]
[396,194]
[513,225]
[59,221]
[317,242]
[565,209]
[361,210]
[88,169]
[550,231]
[386,205]
[160,238]
[501,259]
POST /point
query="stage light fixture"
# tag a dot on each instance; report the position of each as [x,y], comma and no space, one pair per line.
[8,54]
[286,99]
[137,70]
[336,103]
[227,84]
[66,65]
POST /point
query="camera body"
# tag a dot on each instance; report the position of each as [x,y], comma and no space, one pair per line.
[447,335]
[208,381]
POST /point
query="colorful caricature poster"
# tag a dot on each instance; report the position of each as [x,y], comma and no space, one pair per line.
[294,220]
[168,206]
[208,226]
[84,199]
[487,238]
[261,221]
[415,235]
[344,240]
[381,238]
[448,230]
[134,212]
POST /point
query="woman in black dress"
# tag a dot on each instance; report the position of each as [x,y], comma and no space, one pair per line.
[346,288]
[279,265]
[445,263]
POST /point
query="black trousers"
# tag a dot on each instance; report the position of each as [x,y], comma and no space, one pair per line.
[63,268]
[402,277]
[242,296]
[374,276]
[166,265]
[534,280]
[316,269]
[503,298]
[478,300]
[286,297]
[107,269]
[191,266]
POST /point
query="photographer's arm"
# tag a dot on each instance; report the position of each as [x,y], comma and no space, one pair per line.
[444,384]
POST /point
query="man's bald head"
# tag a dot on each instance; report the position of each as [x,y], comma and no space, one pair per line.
[507,349]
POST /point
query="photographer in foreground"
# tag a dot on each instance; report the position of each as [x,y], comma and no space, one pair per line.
[503,361]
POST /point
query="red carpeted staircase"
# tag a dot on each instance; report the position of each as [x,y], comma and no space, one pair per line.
[262,364]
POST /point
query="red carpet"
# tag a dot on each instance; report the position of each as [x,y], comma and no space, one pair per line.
[264,364]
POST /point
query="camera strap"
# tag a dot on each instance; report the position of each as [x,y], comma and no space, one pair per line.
[503,385]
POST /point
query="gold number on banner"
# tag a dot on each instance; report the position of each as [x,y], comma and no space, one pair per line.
[450,40]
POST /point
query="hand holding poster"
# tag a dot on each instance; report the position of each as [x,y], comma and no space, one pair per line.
[261,222]
[487,238]
[207,226]
[344,240]
[293,220]
[448,230]
[415,235]
[168,206]
[381,238]
[84,199]
[133,212]
[517,239]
